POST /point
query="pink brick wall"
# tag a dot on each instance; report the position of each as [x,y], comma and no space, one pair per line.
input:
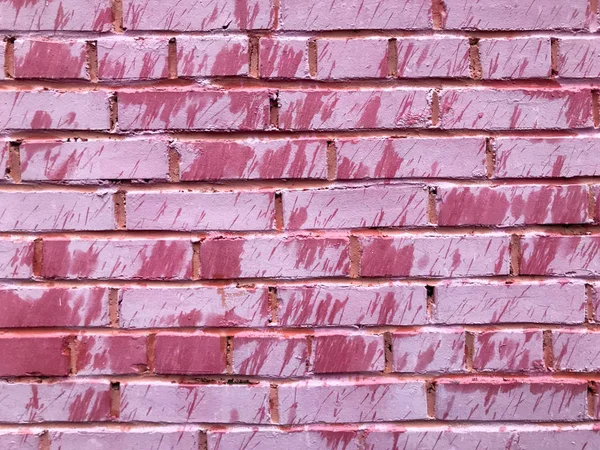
[324,224]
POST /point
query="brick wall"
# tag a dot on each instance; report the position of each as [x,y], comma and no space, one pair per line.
[261,224]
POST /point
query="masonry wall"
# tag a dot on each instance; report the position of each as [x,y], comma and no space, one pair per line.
[258,224]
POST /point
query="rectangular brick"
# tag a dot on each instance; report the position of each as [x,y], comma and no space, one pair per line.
[362,207]
[133,58]
[481,438]
[285,439]
[189,211]
[549,439]
[283,57]
[111,355]
[560,255]
[495,109]
[514,58]
[16,258]
[117,258]
[190,354]
[259,354]
[579,57]
[576,350]
[2,62]
[508,351]
[352,58]
[108,439]
[19,440]
[4,157]
[212,56]
[429,351]
[410,158]
[437,57]
[41,58]
[339,353]
[434,256]
[267,257]
[39,355]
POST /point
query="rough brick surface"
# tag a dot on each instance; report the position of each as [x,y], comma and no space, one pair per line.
[50,59]
[132,59]
[433,57]
[515,58]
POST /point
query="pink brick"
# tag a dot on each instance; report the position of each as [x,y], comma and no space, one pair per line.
[545,158]
[508,351]
[354,14]
[53,15]
[434,256]
[363,400]
[2,53]
[231,439]
[212,56]
[87,161]
[112,354]
[118,259]
[433,57]
[56,211]
[201,110]
[189,15]
[161,401]
[133,59]
[16,258]
[410,158]
[354,109]
[34,355]
[460,303]
[23,307]
[352,58]
[512,205]
[498,400]
[64,401]
[565,437]
[258,354]
[252,159]
[227,306]
[19,440]
[51,110]
[576,351]
[338,353]
[515,15]
[4,156]
[187,211]
[374,206]
[109,439]
[190,353]
[579,58]
[273,257]
[560,255]
[50,59]
[515,58]
[283,57]
[495,109]
[335,305]
[429,352]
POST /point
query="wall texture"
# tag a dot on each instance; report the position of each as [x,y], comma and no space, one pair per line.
[289,224]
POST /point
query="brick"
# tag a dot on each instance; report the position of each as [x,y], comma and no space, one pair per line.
[363,207]
[212,56]
[513,15]
[441,57]
[227,306]
[133,59]
[40,355]
[387,437]
[338,401]
[353,109]
[560,255]
[111,355]
[497,400]
[352,58]
[494,109]
[187,211]
[288,257]
[354,14]
[161,401]
[108,439]
[579,58]
[4,157]
[194,110]
[338,353]
[512,205]
[508,351]
[547,158]
[117,259]
[19,440]
[16,258]
[24,307]
[2,62]
[283,57]
[66,15]
[460,303]
[439,256]
[50,59]
[429,352]
[515,58]
[544,439]
[257,354]
[189,15]
[56,211]
[576,351]
[253,159]
[285,439]
[190,354]
[63,401]
[410,158]
[51,110]
[88,161]
[335,305]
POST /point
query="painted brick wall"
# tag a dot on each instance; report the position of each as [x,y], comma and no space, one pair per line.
[289,224]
